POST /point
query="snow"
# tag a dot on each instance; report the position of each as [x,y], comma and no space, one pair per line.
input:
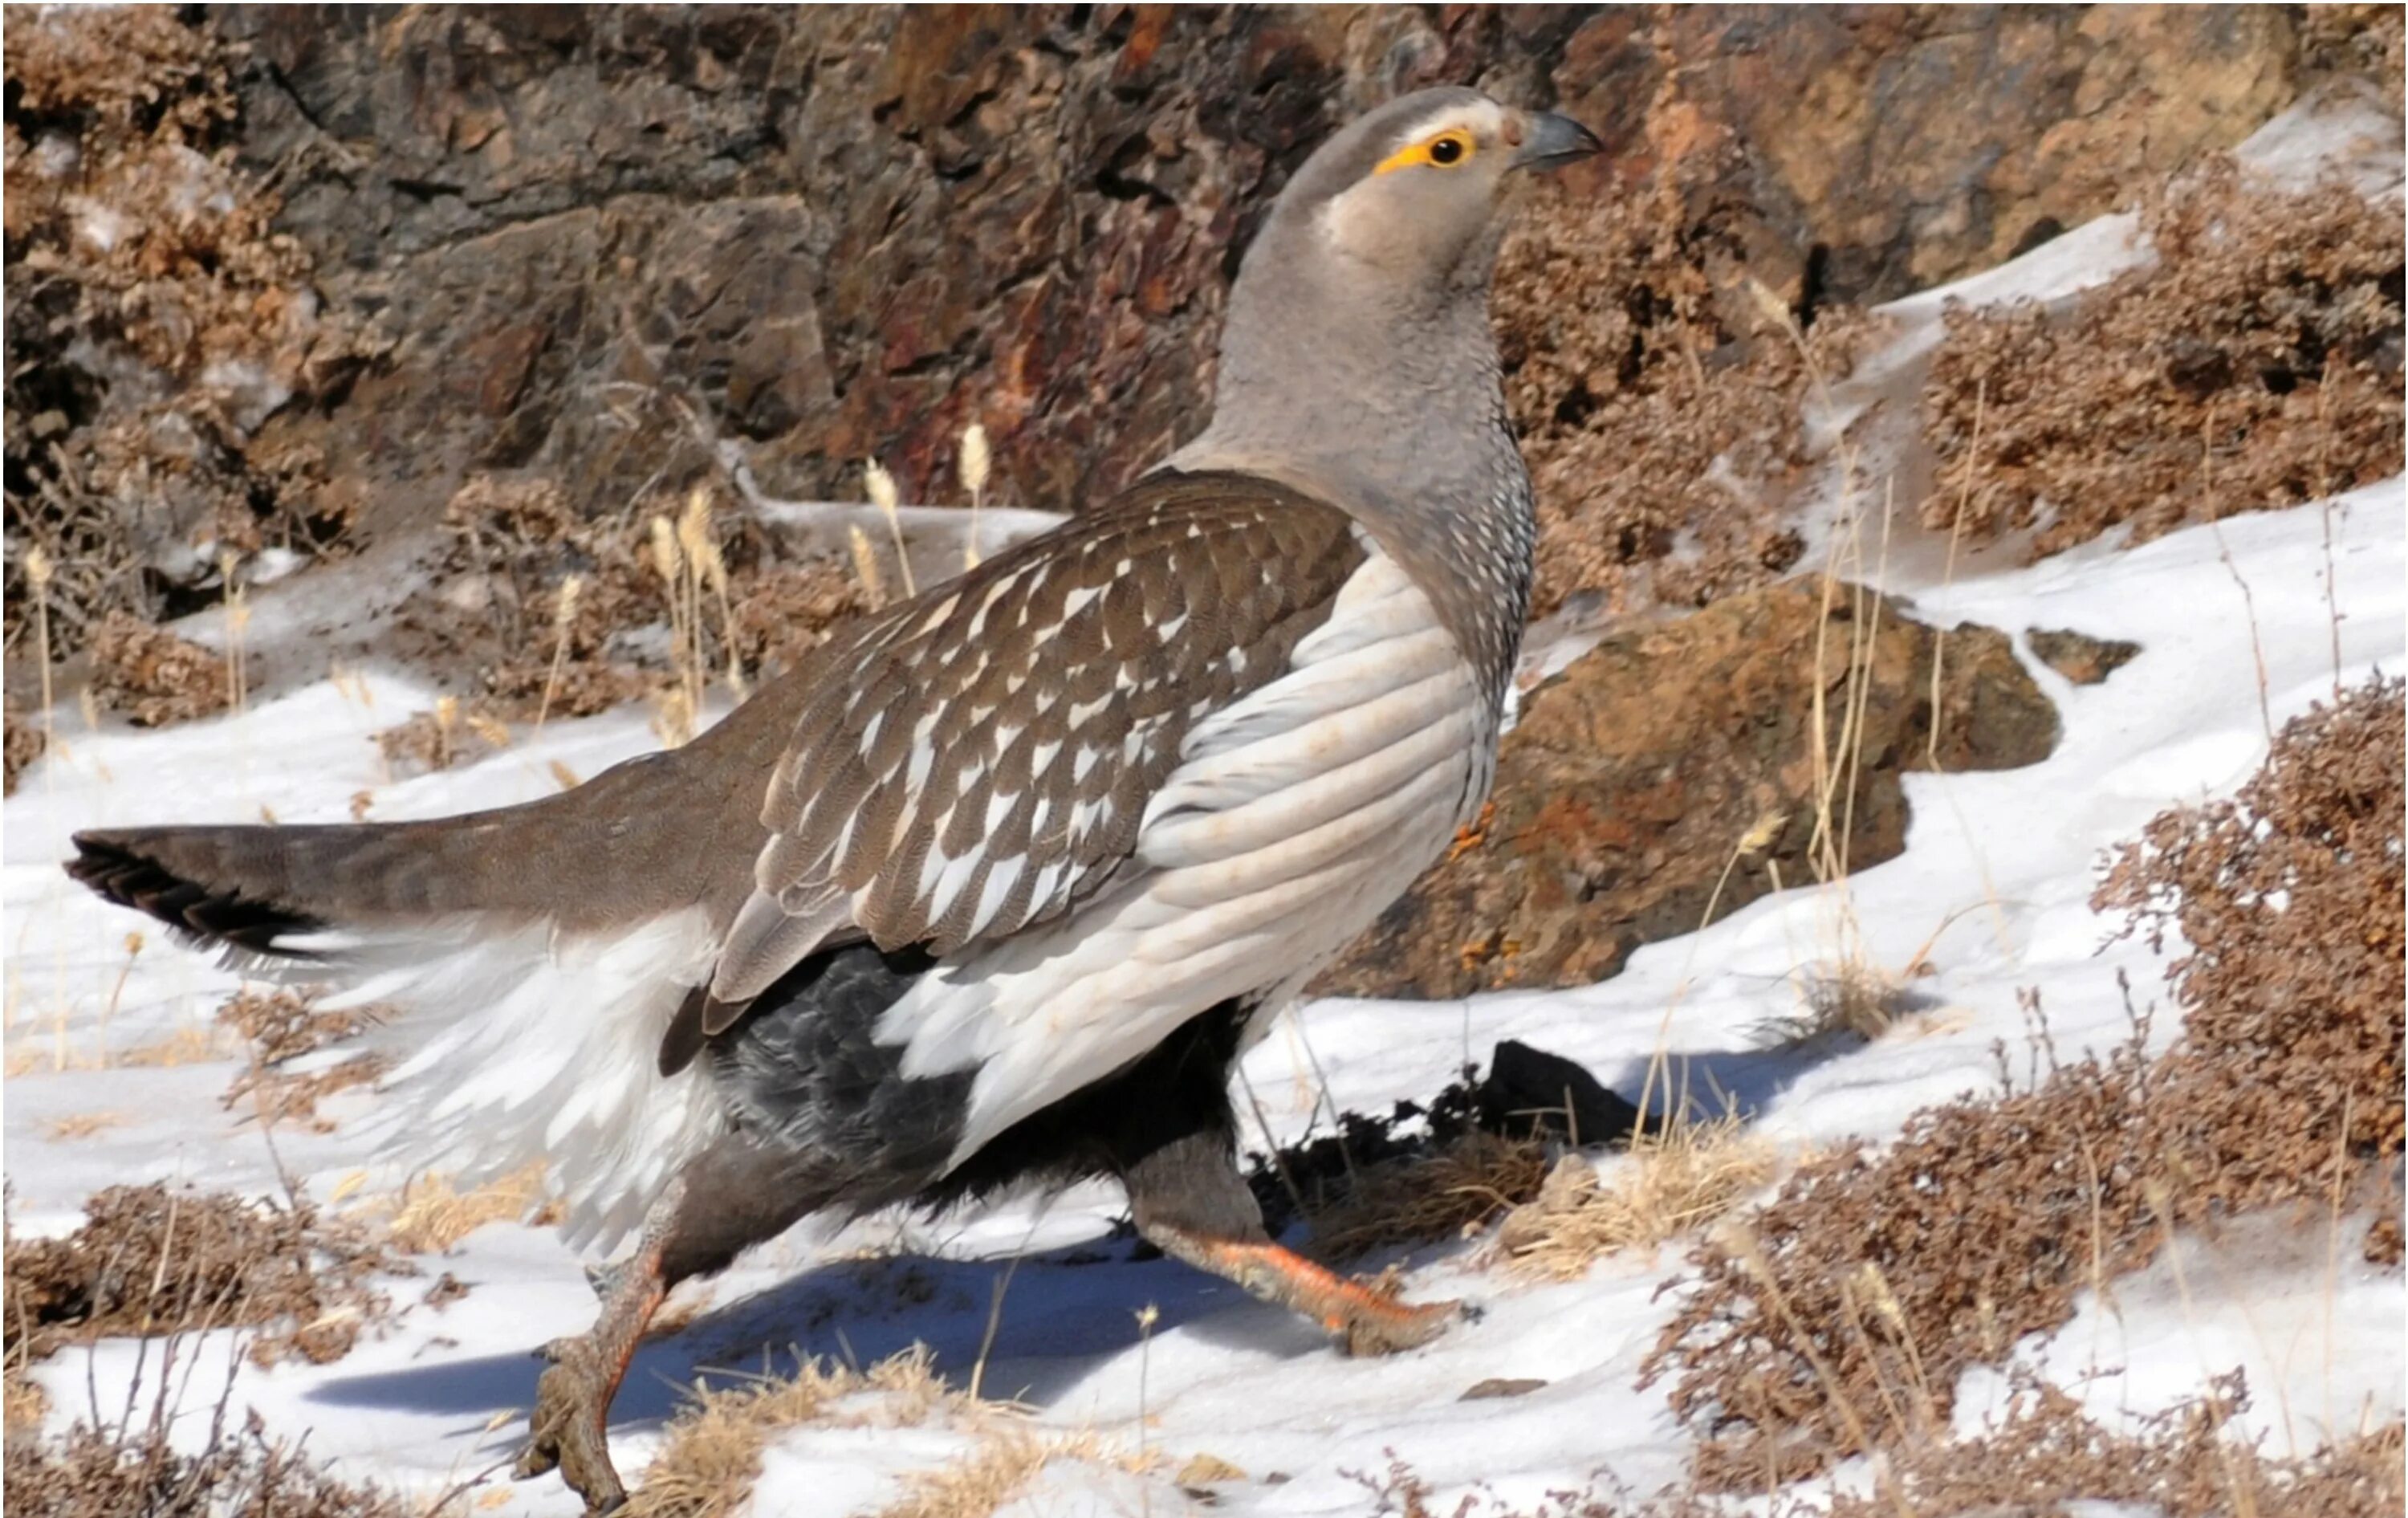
[1992,890]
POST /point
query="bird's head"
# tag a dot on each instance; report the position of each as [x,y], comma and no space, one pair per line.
[1409,200]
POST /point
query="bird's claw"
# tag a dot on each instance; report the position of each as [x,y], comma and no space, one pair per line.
[567,1430]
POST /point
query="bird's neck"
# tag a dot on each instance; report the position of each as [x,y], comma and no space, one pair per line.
[1396,414]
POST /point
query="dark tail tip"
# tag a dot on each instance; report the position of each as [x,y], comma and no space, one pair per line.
[119,868]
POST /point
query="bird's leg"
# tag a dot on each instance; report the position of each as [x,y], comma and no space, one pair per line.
[572,1402]
[1191,1203]
[1364,1319]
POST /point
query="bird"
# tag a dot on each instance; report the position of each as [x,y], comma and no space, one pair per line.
[997,888]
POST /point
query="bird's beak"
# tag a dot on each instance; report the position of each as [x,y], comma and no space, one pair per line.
[1550,141]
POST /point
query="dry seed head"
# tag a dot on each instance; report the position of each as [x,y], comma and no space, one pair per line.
[880,486]
[1875,1287]
[1766,828]
[664,550]
[1774,311]
[492,729]
[37,567]
[565,610]
[976,459]
[865,564]
[714,566]
[694,525]
[133,945]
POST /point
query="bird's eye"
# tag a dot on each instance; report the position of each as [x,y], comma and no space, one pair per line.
[1445,150]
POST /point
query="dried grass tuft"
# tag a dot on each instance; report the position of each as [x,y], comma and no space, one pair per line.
[711,1456]
[1675,1179]
[1449,1191]
[1001,1468]
[430,1215]
[81,1126]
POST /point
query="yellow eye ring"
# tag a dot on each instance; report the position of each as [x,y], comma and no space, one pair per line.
[1443,149]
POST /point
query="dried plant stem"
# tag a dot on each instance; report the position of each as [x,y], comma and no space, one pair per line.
[882,495]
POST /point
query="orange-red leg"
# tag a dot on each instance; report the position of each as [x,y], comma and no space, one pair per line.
[1364,1320]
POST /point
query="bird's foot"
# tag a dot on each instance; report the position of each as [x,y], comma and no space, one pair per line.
[1364,1318]
[569,1426]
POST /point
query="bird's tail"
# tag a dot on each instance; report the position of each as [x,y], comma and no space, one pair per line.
[262,893]
[518,1033]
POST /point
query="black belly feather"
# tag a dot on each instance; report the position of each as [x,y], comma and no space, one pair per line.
[806,1082]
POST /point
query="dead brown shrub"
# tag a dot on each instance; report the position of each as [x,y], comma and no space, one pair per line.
[27,741]
[153,677]
[149,1260]
[1843,1315]
[2180,1465]
[155,322]
[2356,39]
[2255,366]
[2290,898]
[280,1026]
[1661,402]
[136,1471]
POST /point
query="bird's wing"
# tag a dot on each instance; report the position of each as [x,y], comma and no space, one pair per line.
[982,757]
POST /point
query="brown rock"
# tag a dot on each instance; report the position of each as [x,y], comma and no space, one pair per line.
[840,232]
[2078,656]
[848,231]
[1676,761]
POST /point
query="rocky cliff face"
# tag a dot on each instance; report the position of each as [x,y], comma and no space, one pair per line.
[846,231]
[833,233]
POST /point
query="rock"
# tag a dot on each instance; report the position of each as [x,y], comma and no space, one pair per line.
[846,231]
[1673,766]
[2078,656]
[1531,1091]
[1497,1386]
[565,243]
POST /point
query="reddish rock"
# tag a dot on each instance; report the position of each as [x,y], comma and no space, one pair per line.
[1678,759]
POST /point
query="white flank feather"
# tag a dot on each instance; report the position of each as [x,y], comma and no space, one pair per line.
[519,1044]
[1291,822]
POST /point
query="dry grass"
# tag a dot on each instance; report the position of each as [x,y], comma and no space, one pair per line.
[26,740]
[23,1402]
[1453,1190]
[430,1216]
[2290,898]
[135,1472]
[1675,1179]
[1842,1316]
[150,1261]
[2181,1464]
[81,1126]
[124,1464]
[192,1044]
[1001,1468]
[711,1456]
[2255,365]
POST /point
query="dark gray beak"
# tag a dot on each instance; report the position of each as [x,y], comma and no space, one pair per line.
[1552,141]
